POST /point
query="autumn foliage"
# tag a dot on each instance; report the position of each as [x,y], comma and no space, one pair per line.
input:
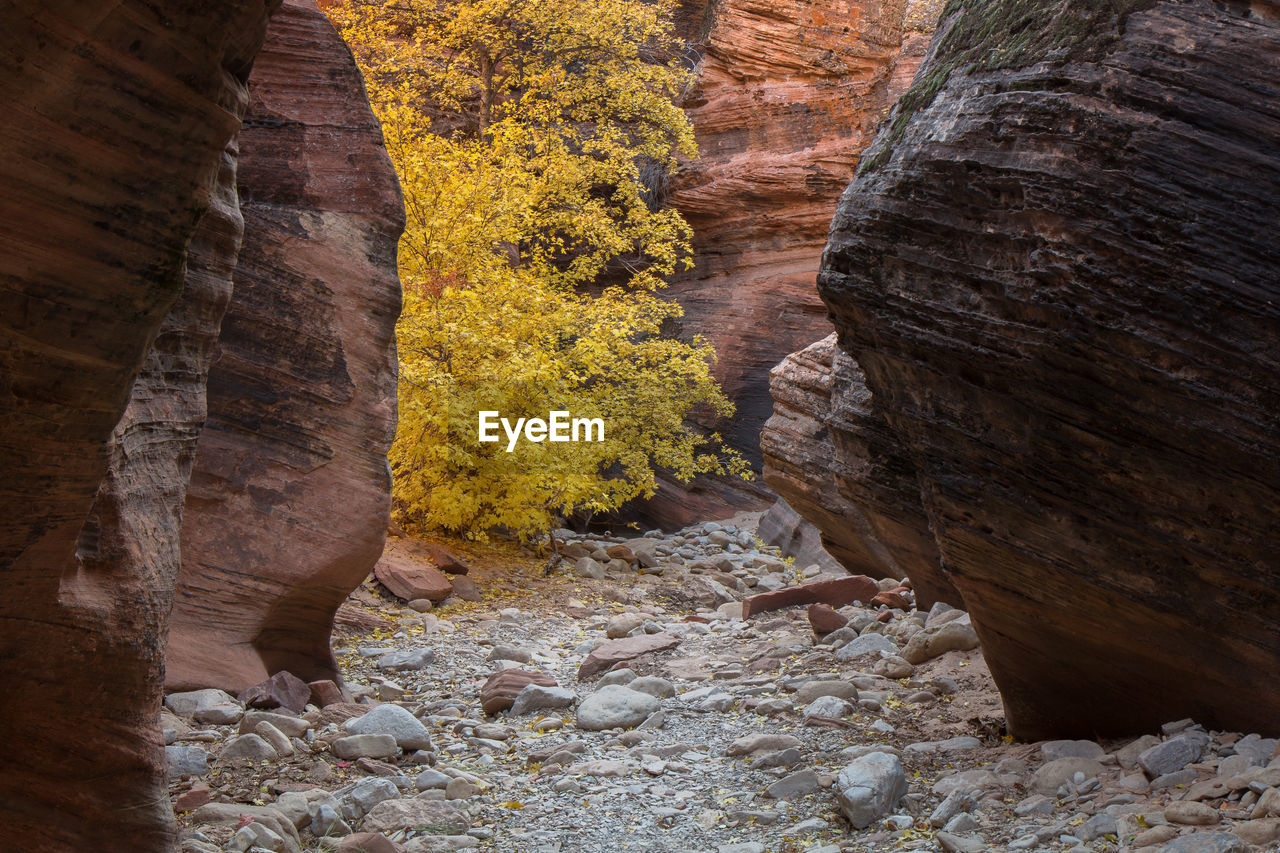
[531,138]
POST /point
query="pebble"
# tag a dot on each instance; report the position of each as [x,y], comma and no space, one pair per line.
[535,697]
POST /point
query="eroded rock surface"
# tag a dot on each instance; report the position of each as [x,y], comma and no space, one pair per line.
[289,499]
[117,177]
[1058,272]
[835,460]
[788,94]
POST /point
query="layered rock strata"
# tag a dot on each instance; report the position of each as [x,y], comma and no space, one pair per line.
[835,460]
[289,499]
[788,94]
[1058,271]
[118,216]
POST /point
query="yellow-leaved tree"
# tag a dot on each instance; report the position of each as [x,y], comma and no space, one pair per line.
[531,138]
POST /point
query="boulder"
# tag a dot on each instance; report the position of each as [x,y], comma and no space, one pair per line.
[869,788]
[119,209]
[615,706]
[1062,297]
[290,494]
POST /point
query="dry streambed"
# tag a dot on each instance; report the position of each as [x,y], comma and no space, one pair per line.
[625,705]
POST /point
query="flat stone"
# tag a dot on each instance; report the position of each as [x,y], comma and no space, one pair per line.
[828,706]
[794,785]
[961,844]
[811,690]
[962,743]
[1189,813]
[411,579]
[617,651]
[514,653]
[1173,754]
[1207,842]
[291,726]
[365,746]
[870,787]
[834,593]
[437,816]
[759,743]
[269,817]
[615,706]
[212,706]
[406,660]
[536,697]
[367,842]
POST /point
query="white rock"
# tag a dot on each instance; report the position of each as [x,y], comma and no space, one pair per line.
[870,787]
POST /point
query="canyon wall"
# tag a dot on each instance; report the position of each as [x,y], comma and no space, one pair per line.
[290,497]
[121,215]
[1057,272]
[118,214]
[787,96]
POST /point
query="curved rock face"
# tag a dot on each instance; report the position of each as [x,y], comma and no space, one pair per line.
[1058,271]
[789,93]
[117,138]
[289,500]
[837,463]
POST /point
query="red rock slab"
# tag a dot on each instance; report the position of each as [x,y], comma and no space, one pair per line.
[892,598]
[411,580]
[824,619]
[447,561]
[628,648]
[500,691]
[833,593]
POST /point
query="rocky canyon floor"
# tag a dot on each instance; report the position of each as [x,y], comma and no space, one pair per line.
[622,704]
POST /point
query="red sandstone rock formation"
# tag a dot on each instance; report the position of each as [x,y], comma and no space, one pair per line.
[1058,272]
[789,93]
[838,464]
[289,499]
[115,142]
